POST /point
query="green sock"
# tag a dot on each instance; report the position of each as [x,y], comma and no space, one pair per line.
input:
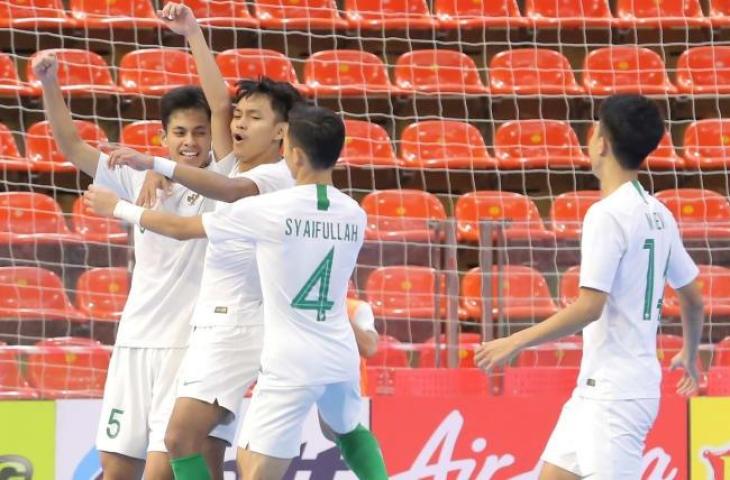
[362,454]
[192,467]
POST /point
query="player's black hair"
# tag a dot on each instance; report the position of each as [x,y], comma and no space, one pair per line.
[188,97]
[282,95]
[633,126]
[319,132]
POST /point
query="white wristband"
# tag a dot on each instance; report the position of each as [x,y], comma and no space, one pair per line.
[128,212]
[164,166]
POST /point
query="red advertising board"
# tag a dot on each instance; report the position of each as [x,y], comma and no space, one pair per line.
[500,438]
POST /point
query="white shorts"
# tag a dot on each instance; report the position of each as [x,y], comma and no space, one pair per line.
[274,420]
[220,364]
[138,398]
[603,439]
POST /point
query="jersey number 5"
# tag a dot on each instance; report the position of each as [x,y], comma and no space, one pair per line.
[320,276]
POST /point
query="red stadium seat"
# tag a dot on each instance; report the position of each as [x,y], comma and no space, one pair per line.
[524,294]
[707,144]
[663,158]
[715,284]
[102,292]
[367,145]
[346,73]
[721,355]
[520,214]
[532,71]
[122,14]
[13,386]
[402,215]
[299,15]
[569,13]
[10,84]
[660,14]
[704,70]
[94,228]
[32,218]
[445,144]
[402,292]
[252,63]
[625,69]
[10,158]
[34,294]
[526,144]
[701,214]
[156,71]
[468,14]
[69,367]
[80,73]
[566,352]
[720,13]
[391,353]
[667,346]
[388,15]
[570,286]
[568,210]
[438,72]
[43,153]
[144,136]
[222,13]
[34,14]
[467,343]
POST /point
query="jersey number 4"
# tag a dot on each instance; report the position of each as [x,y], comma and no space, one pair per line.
[321,277]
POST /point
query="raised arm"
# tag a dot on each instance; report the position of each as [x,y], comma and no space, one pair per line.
[205,182]
[81,154]
[180,19]
[107,203]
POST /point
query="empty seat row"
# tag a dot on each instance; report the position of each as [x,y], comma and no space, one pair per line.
[431,144]
[66,367]
[374,14]
[526,71]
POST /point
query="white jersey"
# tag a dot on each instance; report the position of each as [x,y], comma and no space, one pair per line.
[630,248]
[167,272]
[307,241]
[230,291]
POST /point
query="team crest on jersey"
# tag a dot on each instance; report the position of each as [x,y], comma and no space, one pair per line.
[192,198]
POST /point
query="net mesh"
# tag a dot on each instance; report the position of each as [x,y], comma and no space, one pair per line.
[467,125]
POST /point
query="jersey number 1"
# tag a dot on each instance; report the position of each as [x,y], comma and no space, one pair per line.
[649,292]
[321,275]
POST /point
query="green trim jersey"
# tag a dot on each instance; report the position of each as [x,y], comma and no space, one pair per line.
[307,242]
[230,291]
[167,272]
[630,249]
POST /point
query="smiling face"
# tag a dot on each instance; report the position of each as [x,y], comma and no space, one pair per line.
[188,137]
[256,130]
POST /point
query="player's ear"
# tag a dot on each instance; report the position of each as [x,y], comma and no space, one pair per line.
[280,131]
[162,135]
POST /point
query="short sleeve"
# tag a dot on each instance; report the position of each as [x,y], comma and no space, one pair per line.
[364,317]
[601,249]
[270,177]
[123,181]
[681,269]
[224,166]
[245,220]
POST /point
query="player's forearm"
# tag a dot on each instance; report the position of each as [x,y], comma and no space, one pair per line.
[568,321]
[173,226]
[64,131]
[214,185]
[693,319]
[211,79]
